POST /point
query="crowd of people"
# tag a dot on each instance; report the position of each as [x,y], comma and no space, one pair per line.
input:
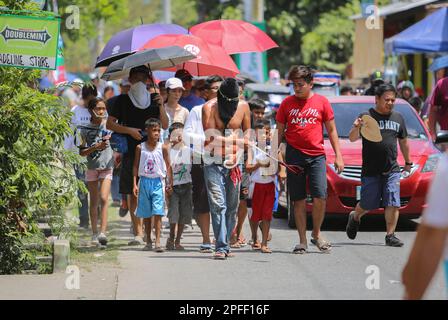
[204,152]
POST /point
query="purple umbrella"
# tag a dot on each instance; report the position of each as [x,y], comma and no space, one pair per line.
[128,41]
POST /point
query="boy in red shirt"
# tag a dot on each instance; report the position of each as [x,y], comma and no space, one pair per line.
[301,118]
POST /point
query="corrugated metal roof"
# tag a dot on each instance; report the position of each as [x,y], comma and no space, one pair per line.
[398,7]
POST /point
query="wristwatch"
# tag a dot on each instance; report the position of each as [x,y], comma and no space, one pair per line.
[409,163]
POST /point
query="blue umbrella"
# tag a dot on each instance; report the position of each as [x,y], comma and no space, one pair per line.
[439,63]
[128,41]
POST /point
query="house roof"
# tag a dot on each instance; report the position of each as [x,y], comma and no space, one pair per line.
[397,7]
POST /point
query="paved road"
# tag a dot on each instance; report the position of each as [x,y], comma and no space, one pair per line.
[281,275]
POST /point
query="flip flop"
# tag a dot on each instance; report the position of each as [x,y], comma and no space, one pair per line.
[323,245]
[256,246]
[179,248]
[265,250]
[205,248]
[242,242]
[220,256]
[300,249]
[235,245]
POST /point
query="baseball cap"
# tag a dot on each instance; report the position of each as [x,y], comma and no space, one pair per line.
[183,75]
[377,77]
[173,83]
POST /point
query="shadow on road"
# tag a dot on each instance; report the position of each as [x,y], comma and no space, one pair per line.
[371,223]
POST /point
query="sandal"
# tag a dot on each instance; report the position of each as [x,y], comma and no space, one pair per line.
[300,249]
[220,256]
[230,255]
[205,248]
[159,249]
[322,244]
[256,246]
[265,249]
[235,245]
[179,247]
[242,242]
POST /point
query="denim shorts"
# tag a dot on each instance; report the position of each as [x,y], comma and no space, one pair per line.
[315,170]
[380,191]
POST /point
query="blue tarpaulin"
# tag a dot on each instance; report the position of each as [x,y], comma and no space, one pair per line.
[427,35]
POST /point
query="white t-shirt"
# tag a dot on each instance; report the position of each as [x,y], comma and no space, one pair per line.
[194,135]
[80,117]
[257,176]
[180,115]
[181,165]
[436,212]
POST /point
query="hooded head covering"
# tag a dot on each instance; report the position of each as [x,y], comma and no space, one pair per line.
[228,98]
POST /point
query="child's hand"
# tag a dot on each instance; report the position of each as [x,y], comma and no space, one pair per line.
[135,191]
[169,190]
[101,145]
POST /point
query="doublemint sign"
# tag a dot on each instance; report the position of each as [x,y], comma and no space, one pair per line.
[28,42]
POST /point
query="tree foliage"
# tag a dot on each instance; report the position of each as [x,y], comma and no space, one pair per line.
[90,12]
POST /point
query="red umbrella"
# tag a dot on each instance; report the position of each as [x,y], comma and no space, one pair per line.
[209,60]
[235,36]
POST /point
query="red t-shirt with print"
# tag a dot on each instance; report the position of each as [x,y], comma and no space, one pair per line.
[304,119]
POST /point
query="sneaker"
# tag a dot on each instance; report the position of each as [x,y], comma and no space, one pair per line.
[102,239]
[393,241]
[94,239]
[122,212]
[137,241]
[148,247]
[352,226]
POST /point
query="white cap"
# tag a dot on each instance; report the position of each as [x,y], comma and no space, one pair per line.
[174,83]
[125,82]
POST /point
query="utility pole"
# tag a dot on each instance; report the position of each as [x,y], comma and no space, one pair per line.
[254,10]
[258,10]
[167,11]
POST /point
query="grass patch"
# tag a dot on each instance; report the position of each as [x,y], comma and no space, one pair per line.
[87,256]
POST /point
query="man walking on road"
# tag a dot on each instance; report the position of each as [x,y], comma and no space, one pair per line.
[128,115]
[301,118]
[194,137]
[223,182]
[380,181]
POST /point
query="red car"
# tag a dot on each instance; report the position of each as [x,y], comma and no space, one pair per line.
[344,189]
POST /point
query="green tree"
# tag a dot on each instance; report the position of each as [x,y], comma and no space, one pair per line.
[36,173]
[329,45]
[288,22]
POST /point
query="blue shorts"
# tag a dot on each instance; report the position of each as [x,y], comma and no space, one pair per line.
[315,170]
[151,200]
[380,191]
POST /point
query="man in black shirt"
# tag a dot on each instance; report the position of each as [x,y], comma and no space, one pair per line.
[376,79]
[127,115]
[380,181]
